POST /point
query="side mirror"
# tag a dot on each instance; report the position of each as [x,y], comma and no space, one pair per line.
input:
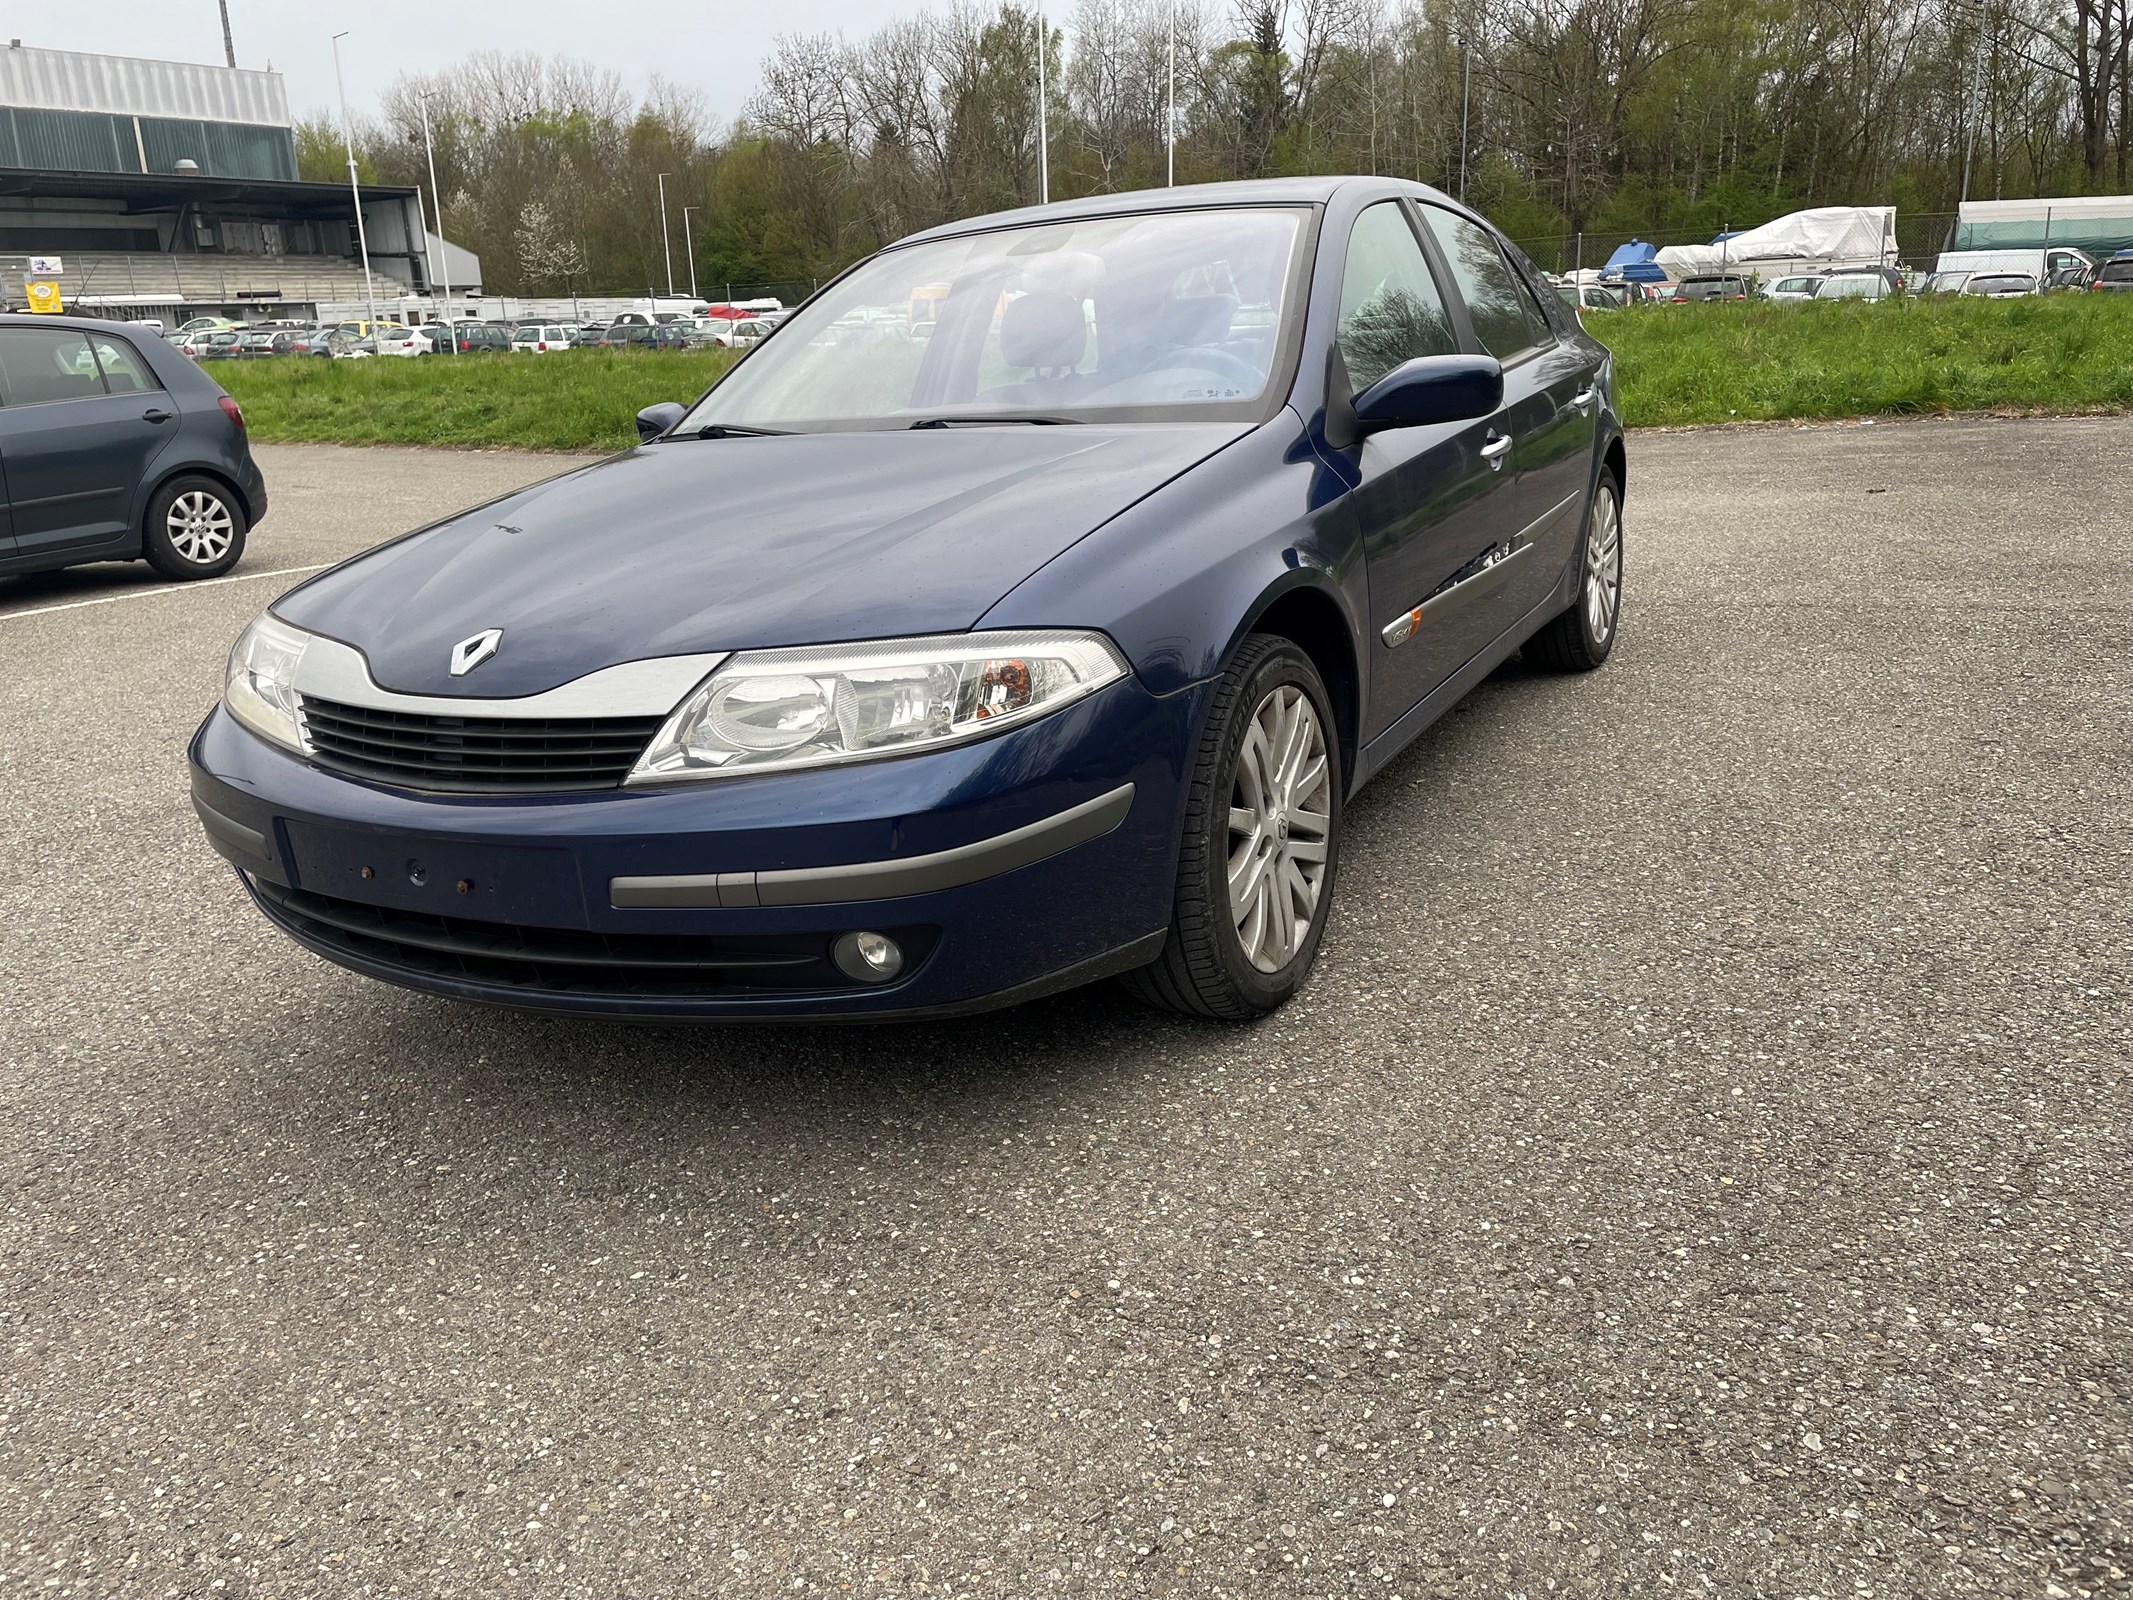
[1431,389]
[653,421]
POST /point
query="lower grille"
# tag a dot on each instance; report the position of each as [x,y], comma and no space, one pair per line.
[568,961]
[476,755]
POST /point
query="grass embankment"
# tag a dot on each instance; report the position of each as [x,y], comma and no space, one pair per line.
[1681,365]
[562,400]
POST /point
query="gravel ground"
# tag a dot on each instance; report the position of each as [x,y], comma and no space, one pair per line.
[1699,1165]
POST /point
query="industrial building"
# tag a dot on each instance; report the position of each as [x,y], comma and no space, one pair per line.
[169,190]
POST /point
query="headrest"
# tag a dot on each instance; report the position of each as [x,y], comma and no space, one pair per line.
[1043,329]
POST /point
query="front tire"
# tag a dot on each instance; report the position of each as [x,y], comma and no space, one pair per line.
[194,528]
[1261,843]
[1584,636]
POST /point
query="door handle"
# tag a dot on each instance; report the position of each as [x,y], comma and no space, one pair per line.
[155,414]
[1495,450]
[1583,399]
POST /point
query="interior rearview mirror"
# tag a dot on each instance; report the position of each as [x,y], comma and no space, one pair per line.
[653,421]
[1431,389]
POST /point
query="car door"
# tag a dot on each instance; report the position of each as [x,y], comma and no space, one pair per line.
[1550,408]
[76,436]
[1431,503]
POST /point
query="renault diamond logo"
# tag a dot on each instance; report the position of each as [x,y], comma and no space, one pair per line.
[471,653]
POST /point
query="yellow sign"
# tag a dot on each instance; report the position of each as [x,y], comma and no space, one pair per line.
[44,297]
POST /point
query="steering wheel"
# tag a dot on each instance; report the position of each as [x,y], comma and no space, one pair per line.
[1207,358]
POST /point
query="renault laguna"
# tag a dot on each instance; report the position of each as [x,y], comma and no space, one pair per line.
[1022,611]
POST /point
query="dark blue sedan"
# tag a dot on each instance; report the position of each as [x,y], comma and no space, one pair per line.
[1021,612]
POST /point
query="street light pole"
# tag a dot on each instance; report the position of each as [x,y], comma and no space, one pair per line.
[688,245]
[1466,104]
[1044,142]
[1977,73]
[666,240]
[1170,112]
[444,259]
[370,292]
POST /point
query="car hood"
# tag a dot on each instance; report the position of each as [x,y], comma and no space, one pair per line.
[742,543]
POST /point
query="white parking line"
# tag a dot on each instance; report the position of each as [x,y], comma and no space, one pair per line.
[168,588]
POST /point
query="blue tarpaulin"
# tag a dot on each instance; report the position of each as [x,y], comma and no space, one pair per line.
[1633,263]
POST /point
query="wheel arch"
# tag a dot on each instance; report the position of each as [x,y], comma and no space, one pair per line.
[194,469]
[1616,456]
[1314,620]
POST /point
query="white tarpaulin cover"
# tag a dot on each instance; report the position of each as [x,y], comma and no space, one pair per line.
[1827,236]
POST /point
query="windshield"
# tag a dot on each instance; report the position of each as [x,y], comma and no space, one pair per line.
[1157,316]
[2013,283]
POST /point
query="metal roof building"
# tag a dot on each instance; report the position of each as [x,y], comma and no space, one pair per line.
[170,188]
[60,109]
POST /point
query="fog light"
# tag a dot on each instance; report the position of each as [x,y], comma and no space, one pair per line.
[867,957]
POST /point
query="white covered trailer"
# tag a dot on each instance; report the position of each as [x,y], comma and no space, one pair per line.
[1823,239]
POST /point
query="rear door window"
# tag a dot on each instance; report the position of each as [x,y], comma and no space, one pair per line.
[124,370]
[41,365]
[1506,319]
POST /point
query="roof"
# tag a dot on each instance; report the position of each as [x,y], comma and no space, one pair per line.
[159,190]
[1183,197]
[70,80]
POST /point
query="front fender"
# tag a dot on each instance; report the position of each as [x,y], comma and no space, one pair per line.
[1178,579]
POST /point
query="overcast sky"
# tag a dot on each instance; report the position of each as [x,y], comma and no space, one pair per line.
[713,48]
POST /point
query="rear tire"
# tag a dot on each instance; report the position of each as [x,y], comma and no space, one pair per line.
[194,528]
[1583,636]
[1262,825]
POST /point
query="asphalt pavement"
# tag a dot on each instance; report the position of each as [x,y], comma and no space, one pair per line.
[1699,1165]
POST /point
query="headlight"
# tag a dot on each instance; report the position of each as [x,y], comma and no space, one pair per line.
[774,710]
[260,689]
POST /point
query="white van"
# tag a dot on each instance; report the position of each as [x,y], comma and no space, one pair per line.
[1955,267]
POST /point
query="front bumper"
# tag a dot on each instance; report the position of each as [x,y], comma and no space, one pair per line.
[1033,861]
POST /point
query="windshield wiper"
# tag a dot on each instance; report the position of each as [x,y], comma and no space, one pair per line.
[734,430]
[981,419]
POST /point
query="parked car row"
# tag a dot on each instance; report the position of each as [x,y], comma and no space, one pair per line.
[1855,283]
[218,339]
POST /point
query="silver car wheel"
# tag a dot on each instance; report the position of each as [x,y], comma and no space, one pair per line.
[200,527]
[1603,565]
[1280,814]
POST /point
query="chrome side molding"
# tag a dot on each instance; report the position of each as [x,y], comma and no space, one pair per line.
[1495,566]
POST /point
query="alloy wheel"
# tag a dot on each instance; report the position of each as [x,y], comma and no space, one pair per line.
[1280,813]
[1603,566]
[200,527]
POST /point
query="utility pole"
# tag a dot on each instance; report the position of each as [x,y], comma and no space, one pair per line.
[688,244]
[666,241]
[1044,143]
[370,292]
[1466,104]
[229,47]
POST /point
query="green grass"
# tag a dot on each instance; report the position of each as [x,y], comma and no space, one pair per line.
[566,400]
[1682,365]
[1679,365]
